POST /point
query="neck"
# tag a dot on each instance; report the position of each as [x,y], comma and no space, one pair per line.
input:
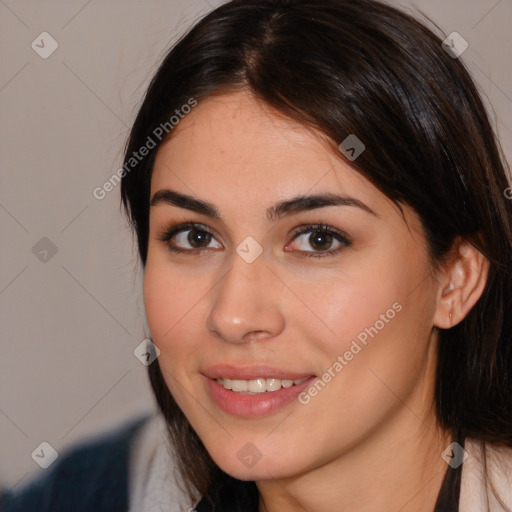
[403,474]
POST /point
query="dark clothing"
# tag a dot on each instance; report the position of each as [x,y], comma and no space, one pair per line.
[91,477]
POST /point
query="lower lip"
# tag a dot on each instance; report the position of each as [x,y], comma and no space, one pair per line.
[252,406]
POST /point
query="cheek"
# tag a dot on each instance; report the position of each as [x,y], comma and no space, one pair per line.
[374,316]
[341,306]
[171,301]
[169,304]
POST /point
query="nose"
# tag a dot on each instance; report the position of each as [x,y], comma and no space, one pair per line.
[246,304]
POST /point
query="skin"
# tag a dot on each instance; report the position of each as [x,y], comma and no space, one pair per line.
[369,440]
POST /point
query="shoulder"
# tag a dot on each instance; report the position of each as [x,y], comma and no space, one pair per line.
[91,475]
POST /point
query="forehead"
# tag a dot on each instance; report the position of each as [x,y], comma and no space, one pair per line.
[234,148]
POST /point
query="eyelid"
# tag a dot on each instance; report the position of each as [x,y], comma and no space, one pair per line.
[318,226]
[173,228]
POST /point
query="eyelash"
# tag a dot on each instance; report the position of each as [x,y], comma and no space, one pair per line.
[168,233]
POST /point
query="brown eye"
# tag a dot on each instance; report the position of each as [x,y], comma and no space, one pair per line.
[321,239]
[196,237]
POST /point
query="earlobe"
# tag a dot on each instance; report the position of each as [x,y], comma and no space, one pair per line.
[461,285]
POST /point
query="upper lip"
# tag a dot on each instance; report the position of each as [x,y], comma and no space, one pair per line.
[227,371]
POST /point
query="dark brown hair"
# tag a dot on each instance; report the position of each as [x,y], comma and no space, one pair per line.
[366,68]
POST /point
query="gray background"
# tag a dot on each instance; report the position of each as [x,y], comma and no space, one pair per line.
[69,324]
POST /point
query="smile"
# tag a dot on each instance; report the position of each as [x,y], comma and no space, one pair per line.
[260,385]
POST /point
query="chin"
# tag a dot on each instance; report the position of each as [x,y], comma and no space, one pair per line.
[260,471]
[244,461]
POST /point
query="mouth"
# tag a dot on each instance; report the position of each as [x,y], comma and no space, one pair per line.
[258,386]
[252,392]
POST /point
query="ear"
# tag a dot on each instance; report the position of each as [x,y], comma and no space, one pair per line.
[461,283]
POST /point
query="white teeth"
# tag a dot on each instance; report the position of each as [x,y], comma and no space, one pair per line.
[260,385]
[257,386]
[239,385]
[273,384]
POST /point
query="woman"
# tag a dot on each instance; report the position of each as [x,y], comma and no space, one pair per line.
[321,212]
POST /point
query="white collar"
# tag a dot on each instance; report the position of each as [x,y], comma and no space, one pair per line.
[476,494]
[153,483]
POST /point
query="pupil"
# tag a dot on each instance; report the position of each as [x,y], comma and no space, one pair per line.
[199,238]
[318,237]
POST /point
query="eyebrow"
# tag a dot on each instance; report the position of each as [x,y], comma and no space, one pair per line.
[296,204]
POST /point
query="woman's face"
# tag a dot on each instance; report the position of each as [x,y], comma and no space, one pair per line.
[243,302]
